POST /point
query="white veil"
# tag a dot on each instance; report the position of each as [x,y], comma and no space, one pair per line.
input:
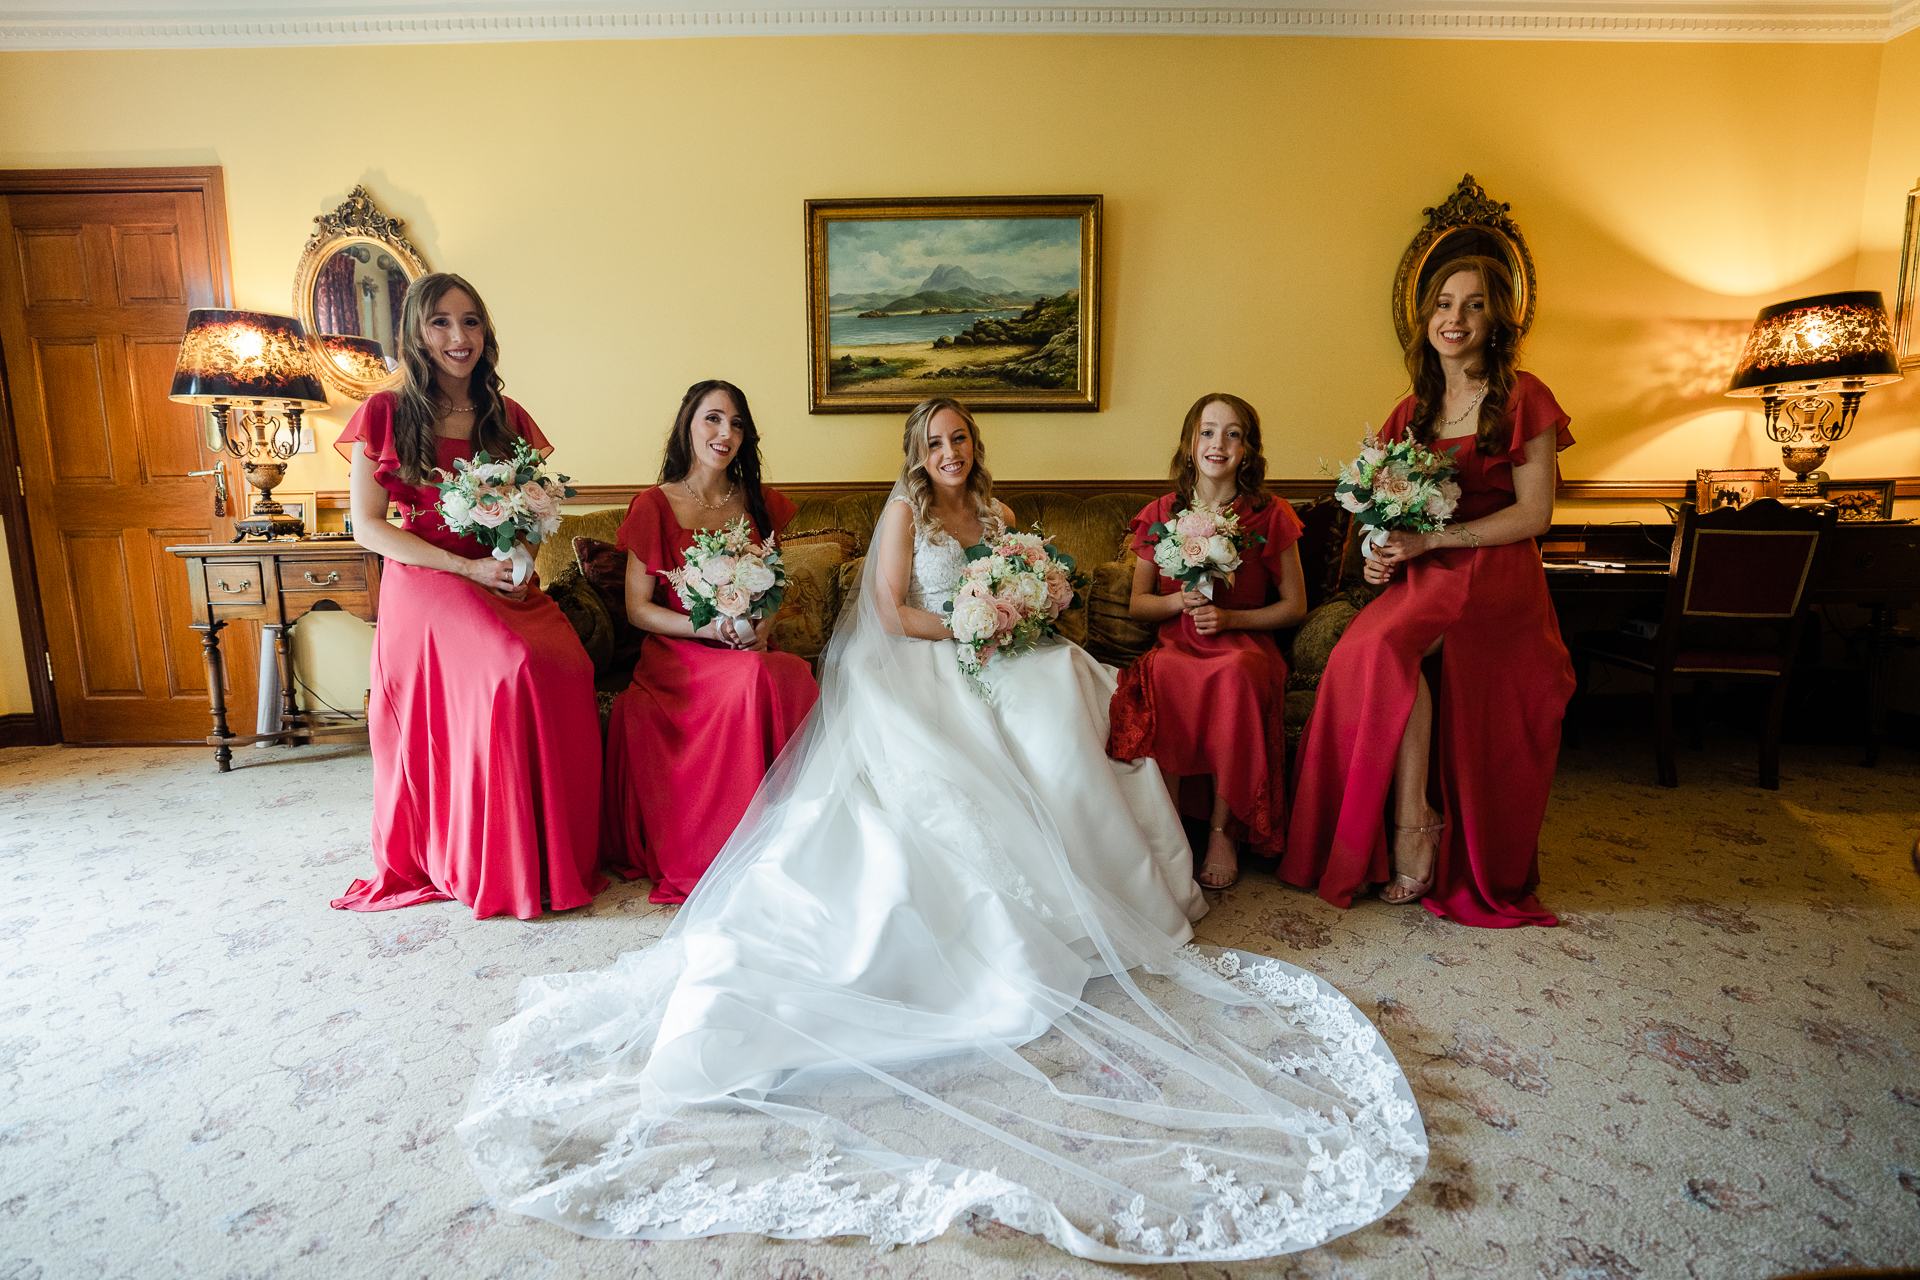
[892,1001]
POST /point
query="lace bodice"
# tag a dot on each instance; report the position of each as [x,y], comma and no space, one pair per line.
[938,560]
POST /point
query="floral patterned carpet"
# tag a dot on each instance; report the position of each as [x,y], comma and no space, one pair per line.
[1712,1069]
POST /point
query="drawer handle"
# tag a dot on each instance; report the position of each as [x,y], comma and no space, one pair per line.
[233,591]
[321,582]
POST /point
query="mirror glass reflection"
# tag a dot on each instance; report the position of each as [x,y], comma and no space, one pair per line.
[358,294]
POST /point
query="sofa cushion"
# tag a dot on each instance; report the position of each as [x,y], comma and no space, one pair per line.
[1112,635]
[1323,538]
[551,558]
[813,560]
[605,566]
[584,607]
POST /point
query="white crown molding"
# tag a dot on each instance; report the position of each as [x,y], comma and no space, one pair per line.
[1811,21]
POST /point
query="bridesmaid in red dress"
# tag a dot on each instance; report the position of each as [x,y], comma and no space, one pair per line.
[486,740]
[708,710]
[1465,766]
[1206,701]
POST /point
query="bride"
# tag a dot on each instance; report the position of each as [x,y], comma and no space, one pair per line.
[938,969]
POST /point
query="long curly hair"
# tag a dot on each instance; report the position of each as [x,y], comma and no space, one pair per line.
[420,399]
[1499,360]
[744,470]
[1251,480]
[913,471]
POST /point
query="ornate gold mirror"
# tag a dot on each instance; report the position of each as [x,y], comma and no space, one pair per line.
[347,294]
[1470,222]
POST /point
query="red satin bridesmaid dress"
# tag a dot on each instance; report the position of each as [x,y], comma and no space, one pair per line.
[1504,680]
[694,734]
[485,735]
[1213,704]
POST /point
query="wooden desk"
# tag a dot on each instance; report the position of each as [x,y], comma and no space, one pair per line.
[1872,563]
[276,584]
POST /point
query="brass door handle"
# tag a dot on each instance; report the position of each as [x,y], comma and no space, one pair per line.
[233,591]
[219,475]
[321,582]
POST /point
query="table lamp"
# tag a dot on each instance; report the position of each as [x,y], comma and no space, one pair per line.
[1800,350]
[358,358]
[252,370]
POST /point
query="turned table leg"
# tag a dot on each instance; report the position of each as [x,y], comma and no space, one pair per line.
[216,689]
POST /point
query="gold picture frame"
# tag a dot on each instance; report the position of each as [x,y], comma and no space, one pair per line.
[1468,222]
[1713,490]
[1007,319]
[366,241]
[1859,500]
[1906,306]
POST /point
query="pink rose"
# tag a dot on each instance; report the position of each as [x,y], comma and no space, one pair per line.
[1009,614]
[491,510]
[1393,487]
[732,601]
[540,503]
[1059,591]
[1195,524]
[1194,549]
[1036,554]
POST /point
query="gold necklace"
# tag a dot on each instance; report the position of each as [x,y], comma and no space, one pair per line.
[704,504]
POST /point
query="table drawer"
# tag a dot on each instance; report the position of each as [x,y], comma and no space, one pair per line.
[235,582]
[331,576]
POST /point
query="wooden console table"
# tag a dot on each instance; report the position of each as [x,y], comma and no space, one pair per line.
[276,584]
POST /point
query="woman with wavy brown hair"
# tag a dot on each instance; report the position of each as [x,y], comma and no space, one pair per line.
[486,742]
[1206,701]
[710,707]
[1441,704]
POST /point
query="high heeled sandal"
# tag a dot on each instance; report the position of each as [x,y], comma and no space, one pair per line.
[1220,888]
[1416,889]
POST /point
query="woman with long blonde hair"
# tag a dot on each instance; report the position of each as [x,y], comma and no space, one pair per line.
[486,740]
[1438,715]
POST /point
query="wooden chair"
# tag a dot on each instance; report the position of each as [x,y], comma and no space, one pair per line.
[1734,611]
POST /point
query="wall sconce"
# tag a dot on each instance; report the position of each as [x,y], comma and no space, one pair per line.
[252,370]
[1799,351]
[359,358]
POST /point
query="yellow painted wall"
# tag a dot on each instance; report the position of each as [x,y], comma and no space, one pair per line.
[632,211]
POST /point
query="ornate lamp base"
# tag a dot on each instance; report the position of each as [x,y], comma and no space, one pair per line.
[268,524]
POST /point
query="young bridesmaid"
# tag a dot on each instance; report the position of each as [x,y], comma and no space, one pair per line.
[1206,700]
[708,710]
[1465,766]
[486,743]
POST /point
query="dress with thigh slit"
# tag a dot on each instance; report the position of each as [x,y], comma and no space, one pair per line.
[481,717]
[1504,680]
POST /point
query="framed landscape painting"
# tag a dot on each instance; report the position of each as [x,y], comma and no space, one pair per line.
[994,301]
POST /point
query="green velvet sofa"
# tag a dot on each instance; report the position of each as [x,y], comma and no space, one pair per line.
[825,545]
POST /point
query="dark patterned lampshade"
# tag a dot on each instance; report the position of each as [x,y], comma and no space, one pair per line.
[1831,342]
[233,357]
[359,358]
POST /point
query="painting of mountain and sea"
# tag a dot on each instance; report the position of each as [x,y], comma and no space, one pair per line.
[993,310]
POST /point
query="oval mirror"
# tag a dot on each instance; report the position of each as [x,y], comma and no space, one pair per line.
[1469,223]
[348,293]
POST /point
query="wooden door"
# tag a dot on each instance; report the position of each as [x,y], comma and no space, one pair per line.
[95,288]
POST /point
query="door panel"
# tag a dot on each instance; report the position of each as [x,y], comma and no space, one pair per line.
[53,260]
[146,263]
[93,303]
[73,389]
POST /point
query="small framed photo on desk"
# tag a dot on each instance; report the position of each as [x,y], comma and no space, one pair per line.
[1860,499]
[1713,490]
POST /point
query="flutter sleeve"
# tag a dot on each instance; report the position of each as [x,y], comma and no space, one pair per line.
[1155,512]
[780,509]
[1283,529]
[526,428]
[1396,424]
[371,427]
[645,533]
[1533,411]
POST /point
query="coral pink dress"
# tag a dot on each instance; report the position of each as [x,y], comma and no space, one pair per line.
[1503,683]
[486,739]
[1213,704]
[692,737]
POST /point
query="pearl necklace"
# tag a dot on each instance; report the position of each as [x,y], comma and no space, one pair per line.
[1477,396]
[710,506]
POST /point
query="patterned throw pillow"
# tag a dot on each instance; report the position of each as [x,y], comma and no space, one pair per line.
[1112,635]
[587,611]
[813,559]
[605,566]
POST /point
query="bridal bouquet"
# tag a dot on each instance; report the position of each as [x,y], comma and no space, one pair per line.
[1398,487]
[729,575]
[505,505]
[1201,544]
[1010,596]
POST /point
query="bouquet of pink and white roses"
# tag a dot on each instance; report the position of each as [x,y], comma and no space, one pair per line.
[729,575]
[1398,487]
[504,505]
[1011,595]
[1201,544]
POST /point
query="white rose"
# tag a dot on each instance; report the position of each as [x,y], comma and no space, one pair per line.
[753,576]
[1028,592]
[1166,554]
[973,617]
[1221,552]
[457,506]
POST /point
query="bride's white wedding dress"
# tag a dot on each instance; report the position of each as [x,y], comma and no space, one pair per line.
[939,969]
